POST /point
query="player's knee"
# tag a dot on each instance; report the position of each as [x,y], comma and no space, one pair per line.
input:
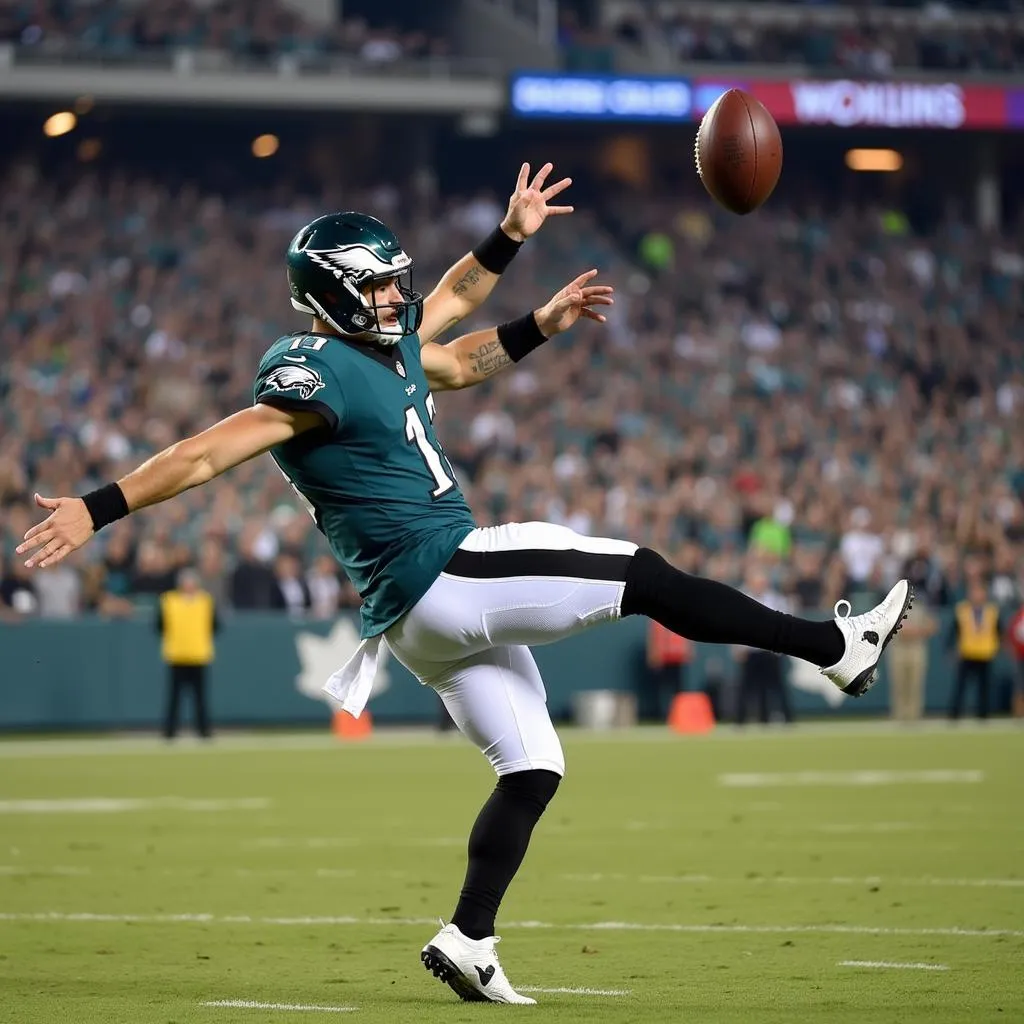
[535,786]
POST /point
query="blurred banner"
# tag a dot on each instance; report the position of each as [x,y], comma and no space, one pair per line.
[841,103]
[601,97]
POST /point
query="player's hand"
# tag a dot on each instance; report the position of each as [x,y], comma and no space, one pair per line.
[65,529]
[576,299]
[528,206]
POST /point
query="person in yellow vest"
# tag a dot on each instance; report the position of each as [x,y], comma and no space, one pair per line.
[976,631]
[187,621]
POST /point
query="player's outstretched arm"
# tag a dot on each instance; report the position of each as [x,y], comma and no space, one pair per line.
[468,283]
[186,464]
[475,357]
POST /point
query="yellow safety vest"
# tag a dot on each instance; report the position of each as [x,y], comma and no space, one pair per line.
[187,628]
[978,636]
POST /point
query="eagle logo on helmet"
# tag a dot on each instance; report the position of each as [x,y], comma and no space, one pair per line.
[302,379]
[357,262]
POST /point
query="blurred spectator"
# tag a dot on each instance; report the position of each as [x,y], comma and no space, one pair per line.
[668,654]
[861,548]
[324,588]
[291,592]
[187,621]
[253,586]
[1015,636]
[18,598]
[1004,586]
[976,633]
[98,599]
[862,45]
[154,572]
[253,29]
[118,561]
[212,569]
[770,534]
[908,664]
[59,591]
[762,674]
[808,584]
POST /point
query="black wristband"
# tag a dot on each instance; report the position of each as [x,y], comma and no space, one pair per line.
[520,337]
[106,505]
[496,251]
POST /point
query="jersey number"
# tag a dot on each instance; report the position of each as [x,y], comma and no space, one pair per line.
[306,341]
[415,433]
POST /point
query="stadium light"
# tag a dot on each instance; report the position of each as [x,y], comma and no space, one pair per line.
[874,160]
[265,145]
[59,124]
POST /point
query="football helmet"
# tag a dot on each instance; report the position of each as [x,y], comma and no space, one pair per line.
[333,262]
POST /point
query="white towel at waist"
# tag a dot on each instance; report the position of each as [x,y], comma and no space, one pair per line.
[352,684]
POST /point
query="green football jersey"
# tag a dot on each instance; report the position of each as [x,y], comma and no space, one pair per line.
[375,478]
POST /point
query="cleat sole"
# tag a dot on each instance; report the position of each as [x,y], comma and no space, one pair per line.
[444,970]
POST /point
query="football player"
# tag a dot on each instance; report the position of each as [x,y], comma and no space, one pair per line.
[346,409]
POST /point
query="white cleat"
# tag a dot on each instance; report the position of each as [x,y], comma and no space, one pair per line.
[866,637]
[470,968]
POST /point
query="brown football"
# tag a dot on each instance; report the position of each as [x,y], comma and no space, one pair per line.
[738,151]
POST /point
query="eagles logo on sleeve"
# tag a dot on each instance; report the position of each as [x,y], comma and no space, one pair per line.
[302,379]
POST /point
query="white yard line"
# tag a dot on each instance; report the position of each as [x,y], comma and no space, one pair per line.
[921,882]
[245,742]
[248,1004]
[594,878]
[119,805]
[888,965]
[853,778]
[614,926]
[579,991]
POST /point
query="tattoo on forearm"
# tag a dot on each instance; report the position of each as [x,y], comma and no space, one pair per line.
[468,280]
[488,359]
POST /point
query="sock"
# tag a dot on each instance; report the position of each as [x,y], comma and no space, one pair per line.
[710,612]
[497,846]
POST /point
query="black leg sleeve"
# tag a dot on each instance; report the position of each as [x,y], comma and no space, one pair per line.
[710,612]
[497,846]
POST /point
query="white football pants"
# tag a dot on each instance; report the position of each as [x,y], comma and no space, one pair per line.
[507,588]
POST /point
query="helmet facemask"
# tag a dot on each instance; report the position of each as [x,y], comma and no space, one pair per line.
[408,313]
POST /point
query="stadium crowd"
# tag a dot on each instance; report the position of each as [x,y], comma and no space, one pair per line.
[866,47]
[263,29]
[112,29]
[822,390]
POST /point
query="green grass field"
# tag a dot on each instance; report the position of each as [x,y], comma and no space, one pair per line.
[716,879]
